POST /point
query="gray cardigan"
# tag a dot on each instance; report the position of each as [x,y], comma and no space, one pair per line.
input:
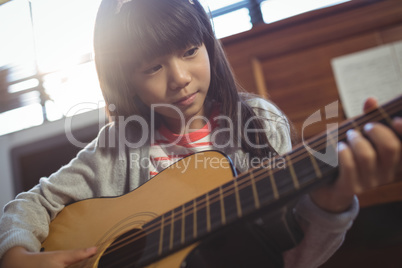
[100,170]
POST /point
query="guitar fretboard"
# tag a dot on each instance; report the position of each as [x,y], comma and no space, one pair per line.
[260,189]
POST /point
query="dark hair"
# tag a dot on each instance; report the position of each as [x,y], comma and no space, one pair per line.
[129,33]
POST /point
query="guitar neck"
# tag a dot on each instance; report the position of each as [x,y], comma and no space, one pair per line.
[264,188]
[315,161]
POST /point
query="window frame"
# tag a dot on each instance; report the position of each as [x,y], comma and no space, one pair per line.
[256,18]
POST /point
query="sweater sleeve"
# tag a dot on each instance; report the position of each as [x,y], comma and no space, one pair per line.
[323,232]
[93,173]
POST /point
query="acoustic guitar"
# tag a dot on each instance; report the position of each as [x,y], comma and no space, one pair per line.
[163,221]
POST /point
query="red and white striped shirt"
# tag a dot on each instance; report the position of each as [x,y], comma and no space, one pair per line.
[169,147]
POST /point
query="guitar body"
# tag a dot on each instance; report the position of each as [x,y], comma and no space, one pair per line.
[192,210]
[99,221]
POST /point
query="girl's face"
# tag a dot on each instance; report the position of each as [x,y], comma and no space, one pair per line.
[180,79]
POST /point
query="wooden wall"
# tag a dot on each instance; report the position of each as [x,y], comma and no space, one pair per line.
[290,61]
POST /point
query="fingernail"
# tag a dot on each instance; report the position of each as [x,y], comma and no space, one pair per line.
[368,127]
[351,134]
[341,146]
[398,119]
[91,249]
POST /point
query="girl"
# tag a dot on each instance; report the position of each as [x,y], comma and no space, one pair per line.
[162,71]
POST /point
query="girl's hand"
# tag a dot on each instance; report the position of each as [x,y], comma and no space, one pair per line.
[19,257]
[363,164]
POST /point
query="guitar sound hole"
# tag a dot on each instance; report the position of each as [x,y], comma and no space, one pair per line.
[126,250]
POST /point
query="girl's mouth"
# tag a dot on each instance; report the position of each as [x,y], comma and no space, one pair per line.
[186,100]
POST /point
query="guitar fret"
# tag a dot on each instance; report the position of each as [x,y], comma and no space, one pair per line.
[332,154]
[188,221]
[208,213]
[246,195]
[161,236]
[292,172]
[183,224]
[333,140]
[215,209]
[194,218]
[201,215]
[167,229]
[312,167]
[273,184]
[223,216]
[177,228]
[354,125]
[316,167]
[238,204]
[231,208]
[385,115]
[255,193]
[171,231]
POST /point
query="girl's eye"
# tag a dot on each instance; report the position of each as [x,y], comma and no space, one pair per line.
[191,52]
[152,70]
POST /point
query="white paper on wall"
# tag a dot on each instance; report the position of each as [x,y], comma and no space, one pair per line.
[375,72]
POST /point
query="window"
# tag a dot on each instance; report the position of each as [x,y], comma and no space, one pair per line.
[229,16]
[235,16]
[46,65]
[274,10]
[46,60]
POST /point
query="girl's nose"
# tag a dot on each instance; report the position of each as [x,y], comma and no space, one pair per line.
[180,77]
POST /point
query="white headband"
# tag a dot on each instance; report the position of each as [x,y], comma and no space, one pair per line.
[120,4]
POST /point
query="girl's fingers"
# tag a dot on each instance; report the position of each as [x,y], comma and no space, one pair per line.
[370,104]
[20,257]
[338,197]
[397,125]
[74,256]
[365,158]
[364,163]
[347,182]
[388,149]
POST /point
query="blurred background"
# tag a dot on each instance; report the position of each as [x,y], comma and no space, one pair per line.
[47,73]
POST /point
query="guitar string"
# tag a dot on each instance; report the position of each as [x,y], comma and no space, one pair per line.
[212,200]
[215,194]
